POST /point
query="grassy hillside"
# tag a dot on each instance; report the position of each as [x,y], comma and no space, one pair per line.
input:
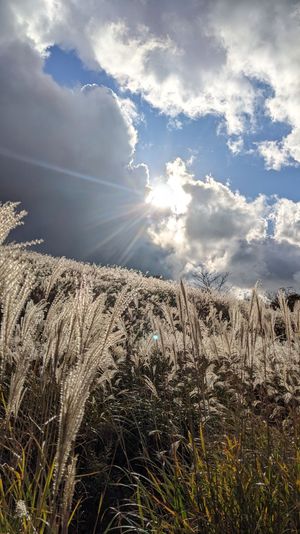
[132,404]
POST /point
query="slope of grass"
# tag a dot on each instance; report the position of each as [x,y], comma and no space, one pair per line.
[132,404]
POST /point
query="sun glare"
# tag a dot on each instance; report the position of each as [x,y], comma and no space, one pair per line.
[161,197]
[166,196]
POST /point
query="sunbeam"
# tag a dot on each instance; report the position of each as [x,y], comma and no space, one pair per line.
[122,228]
[106,218]
[125,256]
[74,174]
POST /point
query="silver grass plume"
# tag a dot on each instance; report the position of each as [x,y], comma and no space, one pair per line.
[24,352]
[76,384]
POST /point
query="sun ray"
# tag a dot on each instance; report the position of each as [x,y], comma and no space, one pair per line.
[74,174]
[125,227]
[125,256]
[132,209]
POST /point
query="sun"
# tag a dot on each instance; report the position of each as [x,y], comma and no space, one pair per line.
[160,197]
[168,196]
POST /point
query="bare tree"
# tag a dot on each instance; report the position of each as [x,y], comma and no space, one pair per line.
[210,280]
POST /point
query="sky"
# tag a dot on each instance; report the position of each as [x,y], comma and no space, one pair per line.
[160,136]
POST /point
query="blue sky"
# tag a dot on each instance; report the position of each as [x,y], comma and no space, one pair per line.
[159,143]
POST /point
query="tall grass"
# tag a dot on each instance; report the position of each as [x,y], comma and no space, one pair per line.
[230,484]
[137,405]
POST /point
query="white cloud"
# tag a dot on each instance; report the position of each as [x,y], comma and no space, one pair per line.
[235,145]
[262,42]
[192,158]
[212,224]
[275,154]
[174,124]
[286,216]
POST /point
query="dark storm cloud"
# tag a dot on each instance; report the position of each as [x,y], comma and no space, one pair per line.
[69,215]
[274,264]
[45,129]
[72,129]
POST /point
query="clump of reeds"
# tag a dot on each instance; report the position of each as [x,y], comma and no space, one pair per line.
[52,355]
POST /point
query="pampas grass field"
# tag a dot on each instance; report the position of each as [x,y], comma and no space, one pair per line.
[130,404]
